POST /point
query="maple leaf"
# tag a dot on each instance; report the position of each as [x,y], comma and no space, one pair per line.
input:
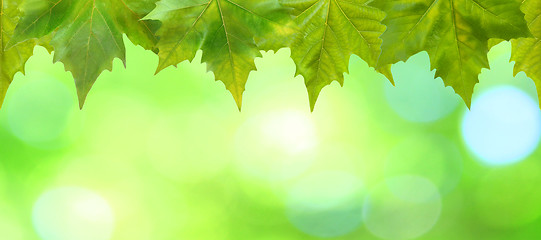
[88,33]
[225,30]
[330,31]
[526,52]
[12,60]
[455,34]
[86,36]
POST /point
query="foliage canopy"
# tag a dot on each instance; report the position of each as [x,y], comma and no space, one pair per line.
[86,35]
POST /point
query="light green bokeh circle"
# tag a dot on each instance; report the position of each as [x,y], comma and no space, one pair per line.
[39,111]
[417,96]
[403,207]
[326,204]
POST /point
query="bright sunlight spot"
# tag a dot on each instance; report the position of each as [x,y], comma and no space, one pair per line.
[72,214]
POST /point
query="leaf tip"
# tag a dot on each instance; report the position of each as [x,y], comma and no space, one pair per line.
[81,96]
[161,67]
[237,95]
[467,101]
[4,85]
[2,100]
[239,106]
[386,71]
[313,96]
[81,103]
[238,101]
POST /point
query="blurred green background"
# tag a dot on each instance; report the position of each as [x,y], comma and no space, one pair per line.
[170,157]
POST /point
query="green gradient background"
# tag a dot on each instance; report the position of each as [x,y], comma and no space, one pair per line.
[176,160]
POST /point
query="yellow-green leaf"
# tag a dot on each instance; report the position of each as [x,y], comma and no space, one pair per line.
[225,30]
[527,51]
[88,33]
[12,59]
[330,31]
[455,34]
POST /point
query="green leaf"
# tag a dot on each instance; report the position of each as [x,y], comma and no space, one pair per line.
[88,33]
[527,51]
[225,30]
[12,60]
[455,34]
[127,15]
[41,18]
[330,31]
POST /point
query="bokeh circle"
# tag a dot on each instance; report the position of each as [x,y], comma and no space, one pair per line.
[403,207]
[503,126]
[326,204]
[72,213]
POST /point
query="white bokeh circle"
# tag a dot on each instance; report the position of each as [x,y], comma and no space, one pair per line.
[72,213]
[276,146]
[503,126]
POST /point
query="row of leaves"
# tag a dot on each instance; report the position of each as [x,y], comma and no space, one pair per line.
[86,35]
